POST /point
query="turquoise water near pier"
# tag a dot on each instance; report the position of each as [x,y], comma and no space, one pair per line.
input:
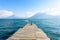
[50,26]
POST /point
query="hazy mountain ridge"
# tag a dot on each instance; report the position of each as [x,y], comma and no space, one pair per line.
[44,16]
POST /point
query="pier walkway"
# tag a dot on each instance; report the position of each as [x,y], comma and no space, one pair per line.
[29,32]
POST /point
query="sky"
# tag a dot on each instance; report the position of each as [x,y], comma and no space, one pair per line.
[28,8]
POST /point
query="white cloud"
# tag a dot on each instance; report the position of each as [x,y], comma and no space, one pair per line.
[48,11]
[53,11]
[20,15]
[5,13]
[24,15]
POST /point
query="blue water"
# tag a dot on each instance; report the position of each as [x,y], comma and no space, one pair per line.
[50,26]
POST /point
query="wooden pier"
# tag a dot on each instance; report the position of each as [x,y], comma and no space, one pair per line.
[29,32]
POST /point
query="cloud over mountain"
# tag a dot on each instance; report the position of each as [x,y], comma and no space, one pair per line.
[29,14]
[47,12]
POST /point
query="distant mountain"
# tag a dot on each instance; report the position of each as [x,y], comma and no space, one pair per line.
[43,16]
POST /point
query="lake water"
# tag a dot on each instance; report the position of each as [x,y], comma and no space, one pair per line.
[50,26]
